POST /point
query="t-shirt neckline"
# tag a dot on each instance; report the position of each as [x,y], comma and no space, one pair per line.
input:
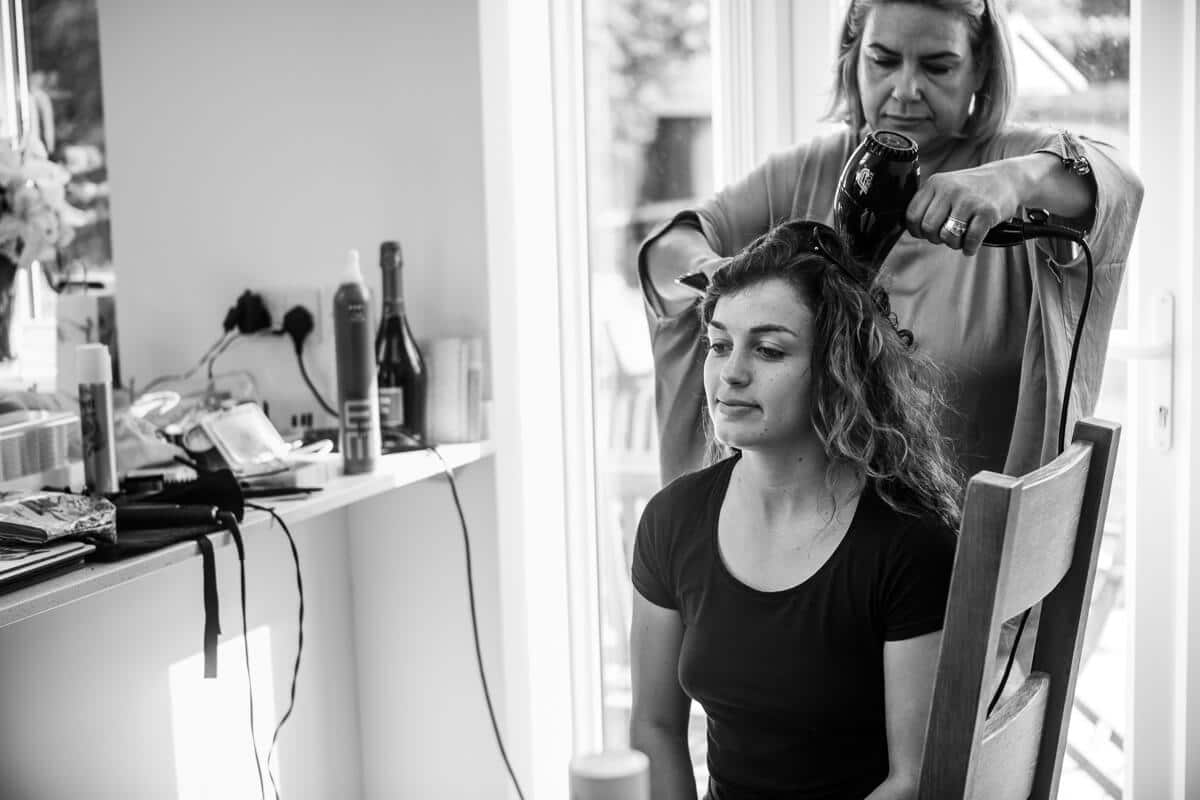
[721,490]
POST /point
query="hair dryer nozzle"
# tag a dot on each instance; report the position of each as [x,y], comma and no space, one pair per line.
[875,188]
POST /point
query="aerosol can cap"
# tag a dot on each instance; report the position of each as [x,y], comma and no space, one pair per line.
[92,363]
[353,273]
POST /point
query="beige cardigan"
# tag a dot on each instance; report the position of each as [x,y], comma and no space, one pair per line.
[1008,315]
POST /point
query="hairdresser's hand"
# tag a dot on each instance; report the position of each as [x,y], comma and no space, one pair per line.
[959,208]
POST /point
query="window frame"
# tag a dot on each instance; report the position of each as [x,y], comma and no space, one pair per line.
[14,71]
[1164,650]
[765,86]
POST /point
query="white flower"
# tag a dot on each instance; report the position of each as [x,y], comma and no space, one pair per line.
[39,218]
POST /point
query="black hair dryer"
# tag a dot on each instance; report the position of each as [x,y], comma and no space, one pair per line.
[877,184]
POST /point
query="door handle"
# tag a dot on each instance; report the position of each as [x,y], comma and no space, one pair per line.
[1157,381]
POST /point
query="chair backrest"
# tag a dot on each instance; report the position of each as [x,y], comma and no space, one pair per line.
[1023,540]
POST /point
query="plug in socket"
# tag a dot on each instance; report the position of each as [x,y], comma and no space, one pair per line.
[279,299]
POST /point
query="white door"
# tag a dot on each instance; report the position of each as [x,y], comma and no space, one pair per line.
[1072,64]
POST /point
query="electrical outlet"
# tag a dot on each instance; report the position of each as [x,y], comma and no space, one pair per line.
[280,299]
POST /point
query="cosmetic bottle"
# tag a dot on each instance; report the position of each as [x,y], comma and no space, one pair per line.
[358,390]
[93,366]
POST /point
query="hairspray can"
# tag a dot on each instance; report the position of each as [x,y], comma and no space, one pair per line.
[358,388]
[93,366]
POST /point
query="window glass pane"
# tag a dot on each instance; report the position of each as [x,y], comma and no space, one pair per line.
[649,153]
[64,78]
[1072,59]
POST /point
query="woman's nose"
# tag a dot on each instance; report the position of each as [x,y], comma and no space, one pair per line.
[909,86]
[734,371]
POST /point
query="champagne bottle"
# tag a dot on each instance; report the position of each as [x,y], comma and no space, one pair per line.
[402,375]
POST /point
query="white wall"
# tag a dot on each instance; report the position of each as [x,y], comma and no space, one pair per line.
[251,142]
[424,719]
[96,705]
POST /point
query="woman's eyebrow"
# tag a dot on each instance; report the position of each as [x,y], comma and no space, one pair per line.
[769,327]
[947,54]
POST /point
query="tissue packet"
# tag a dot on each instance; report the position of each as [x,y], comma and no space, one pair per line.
[38,517]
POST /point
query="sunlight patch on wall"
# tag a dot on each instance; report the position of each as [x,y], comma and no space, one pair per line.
[211,722]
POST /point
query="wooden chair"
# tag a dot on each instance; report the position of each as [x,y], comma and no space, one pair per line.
[1023,541]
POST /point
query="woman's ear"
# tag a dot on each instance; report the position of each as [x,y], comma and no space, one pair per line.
[977,95]
[981,78]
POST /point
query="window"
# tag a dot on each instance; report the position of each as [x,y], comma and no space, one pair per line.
[649,153]
[54,109]
[63,39]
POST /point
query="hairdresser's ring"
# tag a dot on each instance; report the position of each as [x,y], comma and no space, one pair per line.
[955,226]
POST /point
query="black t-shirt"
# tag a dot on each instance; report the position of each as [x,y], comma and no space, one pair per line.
[791,680]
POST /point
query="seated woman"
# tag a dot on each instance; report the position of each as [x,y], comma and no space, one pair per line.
[796,588]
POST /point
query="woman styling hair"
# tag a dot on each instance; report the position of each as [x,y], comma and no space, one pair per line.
[999,321]
[796,588]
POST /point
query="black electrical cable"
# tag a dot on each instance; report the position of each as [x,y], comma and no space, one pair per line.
[1072,236]
[230,522]
[213,358]
[308,381]
[1008,664]
[475,622]
[299,640]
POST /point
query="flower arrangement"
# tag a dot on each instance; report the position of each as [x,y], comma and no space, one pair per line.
[35,217]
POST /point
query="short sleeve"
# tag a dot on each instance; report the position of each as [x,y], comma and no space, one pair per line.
[678,353]
[917,581]
[651,560]
[1119,194]
[728,220]
[654,303]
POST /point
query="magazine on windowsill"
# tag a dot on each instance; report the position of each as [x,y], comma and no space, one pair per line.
[32,518]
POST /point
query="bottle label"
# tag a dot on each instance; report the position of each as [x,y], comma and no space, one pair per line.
[359,441]
[95,422]
[391,406]
[89,422]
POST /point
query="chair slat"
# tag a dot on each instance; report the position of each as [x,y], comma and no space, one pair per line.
[1043,540]
[1008,753]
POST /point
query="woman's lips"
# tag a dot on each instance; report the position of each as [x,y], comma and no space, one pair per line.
[735,409]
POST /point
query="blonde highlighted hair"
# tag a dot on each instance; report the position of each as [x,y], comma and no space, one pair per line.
[989,45]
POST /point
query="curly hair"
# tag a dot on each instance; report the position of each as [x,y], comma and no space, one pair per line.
[876,401]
